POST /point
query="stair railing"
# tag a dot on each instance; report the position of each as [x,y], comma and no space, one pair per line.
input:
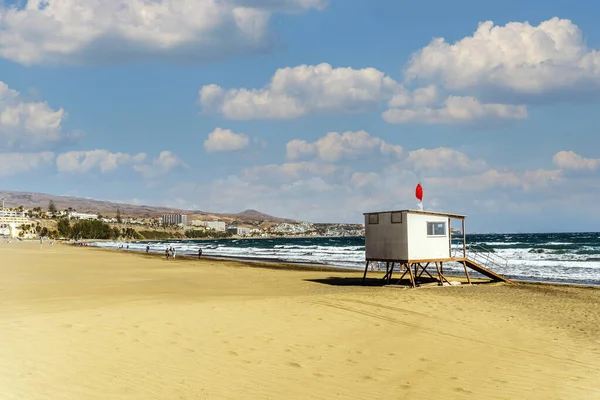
[485,256]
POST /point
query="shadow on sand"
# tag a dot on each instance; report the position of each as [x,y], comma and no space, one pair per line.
[358,281]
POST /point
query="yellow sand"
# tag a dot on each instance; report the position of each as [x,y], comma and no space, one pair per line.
[80,323]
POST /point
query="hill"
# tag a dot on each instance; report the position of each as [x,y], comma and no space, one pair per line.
[30,200]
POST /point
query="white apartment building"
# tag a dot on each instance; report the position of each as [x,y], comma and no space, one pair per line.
[174,219]
[13,214]
[78,215]
[218,226]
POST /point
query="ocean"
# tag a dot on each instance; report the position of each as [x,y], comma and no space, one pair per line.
[540,257]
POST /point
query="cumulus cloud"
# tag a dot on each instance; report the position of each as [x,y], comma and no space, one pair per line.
[225,140]
[322,89]
[494,179]
[104,160]
[455,110]
[443,159]
[364,179]
[288,172]
[569,160]
[302,90]
[335,146]
[516,58]
[161,165]
[321,191]
[16,163]
[26,123]
[89,31]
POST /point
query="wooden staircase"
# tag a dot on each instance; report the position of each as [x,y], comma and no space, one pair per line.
[484,271]
[480,259]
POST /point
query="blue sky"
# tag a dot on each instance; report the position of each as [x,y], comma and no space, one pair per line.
[310,109]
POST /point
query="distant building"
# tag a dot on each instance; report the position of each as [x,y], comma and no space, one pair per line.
[14,214]
[218,226]
[174,219]
[83,215]
[239,231]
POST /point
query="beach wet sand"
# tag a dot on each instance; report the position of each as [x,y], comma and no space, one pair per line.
[83,323]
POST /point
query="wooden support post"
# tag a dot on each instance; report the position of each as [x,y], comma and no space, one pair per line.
[424,270]
[440,274]
[464,239]
[467,272]
[412,278]
[365,274]
[391,272]
[450,239]
[405,271]
[387,270]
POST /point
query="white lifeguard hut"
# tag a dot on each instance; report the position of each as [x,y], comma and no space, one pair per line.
[413,240]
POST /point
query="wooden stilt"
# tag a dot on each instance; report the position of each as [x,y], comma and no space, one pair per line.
[441,276]
[405,272]
[365,274]
[391,272]
[467,272]
[424,270]
[387,270]
[412,278]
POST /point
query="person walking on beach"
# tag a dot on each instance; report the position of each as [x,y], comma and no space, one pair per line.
[147,249]
[200,253]
[173,252]
[167,254]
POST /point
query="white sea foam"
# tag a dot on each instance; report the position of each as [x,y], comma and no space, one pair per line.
[523,261]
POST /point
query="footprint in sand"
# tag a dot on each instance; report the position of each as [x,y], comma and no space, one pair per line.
[233,353]
[294,364]
[461,390]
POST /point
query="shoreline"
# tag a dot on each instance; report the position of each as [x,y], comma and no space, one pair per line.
[300,266]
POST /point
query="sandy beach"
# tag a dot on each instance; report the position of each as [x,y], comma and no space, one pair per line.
[83,323]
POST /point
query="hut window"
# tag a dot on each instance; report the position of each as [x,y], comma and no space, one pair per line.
[396,218]
[436,229]
[373,219]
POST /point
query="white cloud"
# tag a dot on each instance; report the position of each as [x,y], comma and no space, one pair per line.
[494,179]
[570,160]
[335,146]
[287,172]
[16,163]
[518,58]
[161,165]
[90,31]
[364,179]
[104,160]
[305,89]
[28,124]
[323,192]
[225,140]
[454,110]
[443,159]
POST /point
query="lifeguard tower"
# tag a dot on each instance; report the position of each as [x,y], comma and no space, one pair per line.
[414,240]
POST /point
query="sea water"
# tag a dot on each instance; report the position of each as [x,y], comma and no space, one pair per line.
[543,257]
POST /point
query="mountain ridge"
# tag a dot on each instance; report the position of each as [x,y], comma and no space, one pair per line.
[87,205]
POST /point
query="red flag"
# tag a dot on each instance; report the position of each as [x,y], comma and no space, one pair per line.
[419,192]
